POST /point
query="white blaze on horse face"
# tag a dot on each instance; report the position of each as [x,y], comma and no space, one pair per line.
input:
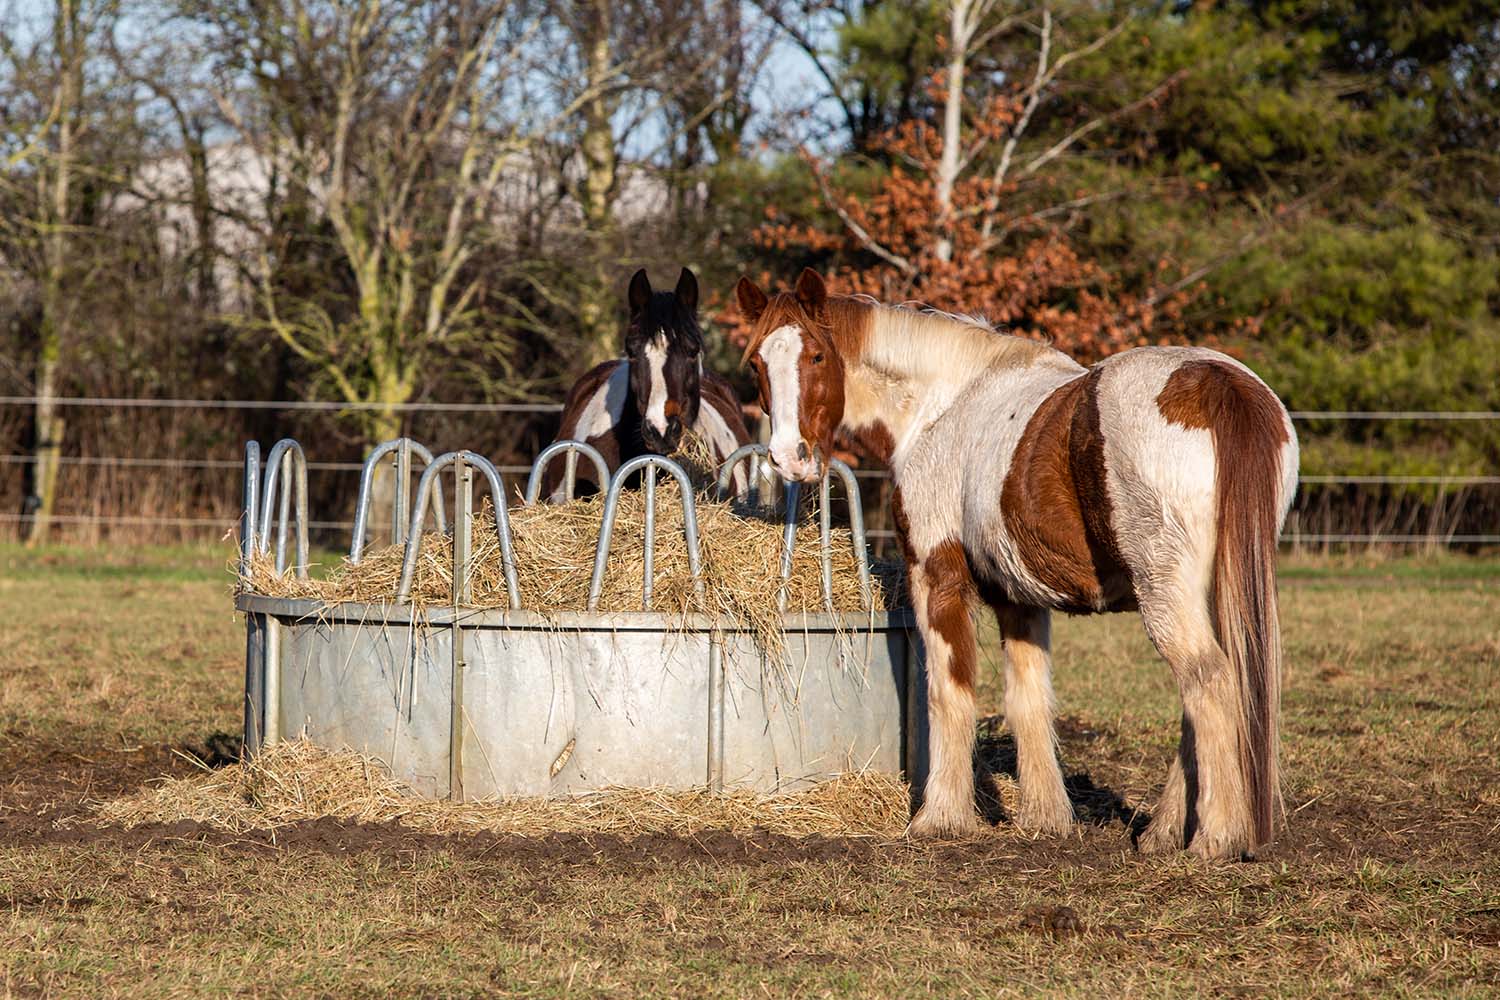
[656,402]
[780,352]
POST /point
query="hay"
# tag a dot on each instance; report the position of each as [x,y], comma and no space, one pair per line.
[554,552]
[296,781]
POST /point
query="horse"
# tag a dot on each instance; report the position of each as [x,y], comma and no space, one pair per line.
[642,403]
[1157,480]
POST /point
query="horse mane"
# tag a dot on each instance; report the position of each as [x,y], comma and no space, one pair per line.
[906,339]
[665,315]
[903,338]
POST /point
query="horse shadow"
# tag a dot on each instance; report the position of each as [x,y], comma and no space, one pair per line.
[995,756]
[1094,804]
[213,751]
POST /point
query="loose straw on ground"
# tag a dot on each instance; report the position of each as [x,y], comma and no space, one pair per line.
[296,781]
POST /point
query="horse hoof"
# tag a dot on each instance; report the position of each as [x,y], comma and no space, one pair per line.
[1159,838]
[1217,848]
[1055,819]
[929,825]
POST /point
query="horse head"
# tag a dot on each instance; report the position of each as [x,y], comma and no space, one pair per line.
[800,372]
[665,348]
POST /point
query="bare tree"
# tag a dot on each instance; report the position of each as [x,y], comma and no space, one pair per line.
[48,78]
[385,126]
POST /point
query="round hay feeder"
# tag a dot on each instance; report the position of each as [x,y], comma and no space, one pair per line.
[461,702]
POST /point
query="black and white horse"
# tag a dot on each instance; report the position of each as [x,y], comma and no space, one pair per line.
[642,403]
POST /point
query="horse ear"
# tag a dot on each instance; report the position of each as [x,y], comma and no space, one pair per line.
[687,291]
[640,292]
[752,300]
[811,291]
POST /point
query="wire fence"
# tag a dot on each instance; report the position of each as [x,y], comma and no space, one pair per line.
[1452,528]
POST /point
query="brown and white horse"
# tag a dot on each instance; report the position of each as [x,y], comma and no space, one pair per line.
[641,404]
[1156,480]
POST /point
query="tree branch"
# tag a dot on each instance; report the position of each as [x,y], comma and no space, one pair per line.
[859,232]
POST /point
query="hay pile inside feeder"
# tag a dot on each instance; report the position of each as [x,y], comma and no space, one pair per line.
[296,781]
[740,559]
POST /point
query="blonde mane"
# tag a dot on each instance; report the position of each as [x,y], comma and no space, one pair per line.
[926,343]
[901,339]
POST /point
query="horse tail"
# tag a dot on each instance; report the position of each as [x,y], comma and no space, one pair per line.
[1249,433]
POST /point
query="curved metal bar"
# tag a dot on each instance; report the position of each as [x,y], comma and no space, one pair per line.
[740,454]
[759,452]
[248,518]
[607,524]
[793,494]
[573,449]
[419,514]
[285,460]
[825,538]
[856,527]
[367,482]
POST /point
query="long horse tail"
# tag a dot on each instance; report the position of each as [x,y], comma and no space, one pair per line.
[1250,429]
[1248,437]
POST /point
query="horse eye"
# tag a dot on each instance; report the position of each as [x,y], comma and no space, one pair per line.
[817,358]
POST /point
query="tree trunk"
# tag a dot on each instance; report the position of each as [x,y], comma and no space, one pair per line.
[203,218]
[597,305]
[961,32]
[55,305]
[47,450]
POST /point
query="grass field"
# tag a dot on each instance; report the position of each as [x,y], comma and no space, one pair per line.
[1387,879]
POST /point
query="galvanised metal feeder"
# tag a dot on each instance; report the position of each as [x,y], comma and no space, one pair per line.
[465,703]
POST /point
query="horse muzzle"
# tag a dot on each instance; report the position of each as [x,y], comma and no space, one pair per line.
[664,441]
[805,464]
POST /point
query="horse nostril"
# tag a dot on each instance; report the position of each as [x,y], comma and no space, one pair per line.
[802,451]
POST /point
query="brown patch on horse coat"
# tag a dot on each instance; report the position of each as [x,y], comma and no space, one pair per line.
[1056,506]
[950,587]
[950,584]
[1225,399]
[874,440]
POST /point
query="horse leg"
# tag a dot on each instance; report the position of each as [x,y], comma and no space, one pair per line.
[1205,805]
[1029,708]
[940,586]
[1169,819]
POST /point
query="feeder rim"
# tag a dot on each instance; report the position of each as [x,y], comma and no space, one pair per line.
[311,611]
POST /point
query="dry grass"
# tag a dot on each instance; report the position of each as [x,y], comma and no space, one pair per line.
[1384,884]
[296,781]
